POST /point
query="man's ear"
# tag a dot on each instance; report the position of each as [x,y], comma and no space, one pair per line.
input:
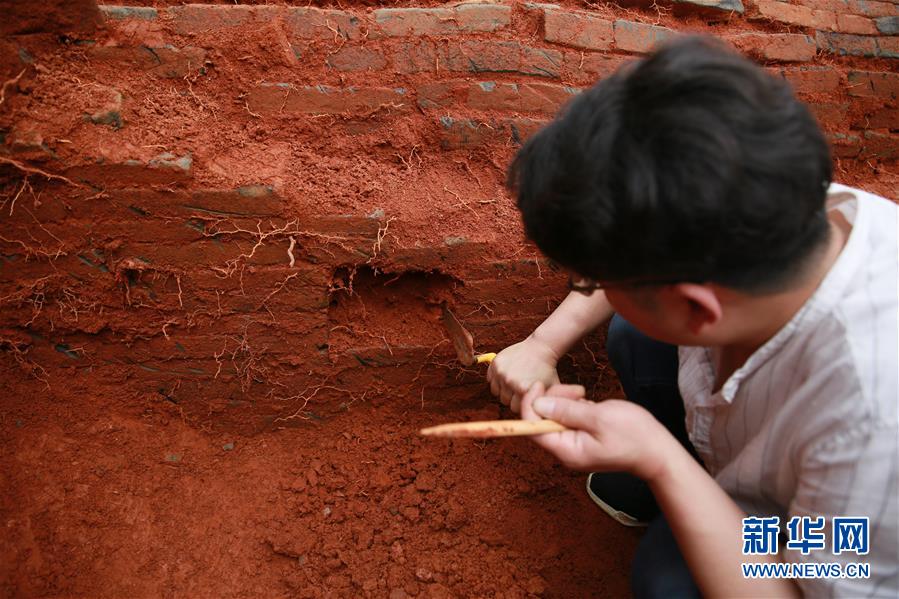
[702,305]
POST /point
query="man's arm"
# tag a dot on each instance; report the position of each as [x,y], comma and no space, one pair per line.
[577,315]
[853,474]
[708,527]
[616,435]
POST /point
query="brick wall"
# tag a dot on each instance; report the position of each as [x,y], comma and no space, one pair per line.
[218,294]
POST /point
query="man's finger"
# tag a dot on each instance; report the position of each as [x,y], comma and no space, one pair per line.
[527,411]
[569,412]
[569,391]
[495,388]
[506,394]
[516,403]
[527,401]
[566,445]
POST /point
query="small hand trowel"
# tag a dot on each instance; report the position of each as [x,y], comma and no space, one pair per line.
[462,340]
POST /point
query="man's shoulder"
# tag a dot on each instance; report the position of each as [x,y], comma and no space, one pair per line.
[867,196]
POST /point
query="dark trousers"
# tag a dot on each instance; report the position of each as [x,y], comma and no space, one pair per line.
[647,370]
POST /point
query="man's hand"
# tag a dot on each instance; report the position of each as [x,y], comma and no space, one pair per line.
[519,366]
[611,435]
[617,435]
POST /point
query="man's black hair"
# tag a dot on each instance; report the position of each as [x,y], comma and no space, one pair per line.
[693,164]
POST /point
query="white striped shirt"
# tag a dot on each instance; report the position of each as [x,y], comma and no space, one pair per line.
[808,425]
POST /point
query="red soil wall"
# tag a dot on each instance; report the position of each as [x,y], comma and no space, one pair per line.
[228,168]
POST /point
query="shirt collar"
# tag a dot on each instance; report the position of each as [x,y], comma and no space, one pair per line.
[821,302]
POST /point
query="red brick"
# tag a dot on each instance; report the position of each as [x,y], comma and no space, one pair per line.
[482,56]
[355,58]
[780,47]
[709,8]
[446,257]
[871,84]
[515,97]
[277,98]
[837,6]
[830,115]
[587,67]
[337,229]
[368,367]
[475,310]
[166,61]
[247,203]
[61,208]
[120,13]
[489,95]
[539,62]
[845,44]
[206,254]
[812,80]
[320,238]
[418,56]
[323,24]
[482,16]
[856,24]
[843,145]
[50,16]
[201,18]
[514,290]
[460,133]
[440,94]
[525,268]
[16,267]
[479,56]
[280,287]
[887,25]
[252,289]
[882,146]
[578,29]
[465,18]
[178,346]
[888,47]
[341,225]
[476,56]
[639,37]
[871,8]
[503,331]
[797,15]
[146,230]
[878,118]
[163,170]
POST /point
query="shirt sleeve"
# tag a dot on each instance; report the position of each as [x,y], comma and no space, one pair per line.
[853,474]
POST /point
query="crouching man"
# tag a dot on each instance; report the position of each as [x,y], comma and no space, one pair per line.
[755,330]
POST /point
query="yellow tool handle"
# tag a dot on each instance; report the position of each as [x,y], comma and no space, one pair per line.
[485,358]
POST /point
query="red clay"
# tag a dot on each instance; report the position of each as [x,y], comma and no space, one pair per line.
[108,494]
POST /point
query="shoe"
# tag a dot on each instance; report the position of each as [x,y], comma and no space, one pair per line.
[623,496]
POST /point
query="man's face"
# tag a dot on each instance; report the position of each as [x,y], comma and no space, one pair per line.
[661,313]
[639,308]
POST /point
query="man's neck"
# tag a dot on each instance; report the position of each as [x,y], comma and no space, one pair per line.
[766,315]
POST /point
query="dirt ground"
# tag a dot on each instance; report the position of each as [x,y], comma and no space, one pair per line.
[108,494]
